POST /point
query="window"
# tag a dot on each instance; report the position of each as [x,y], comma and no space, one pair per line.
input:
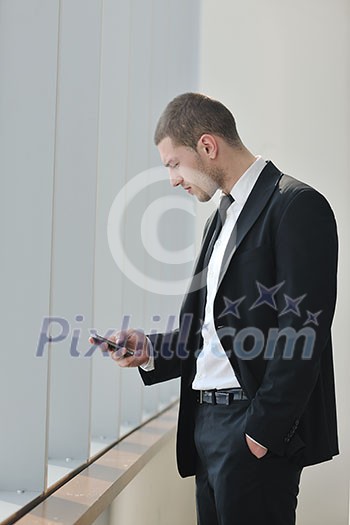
[83,84]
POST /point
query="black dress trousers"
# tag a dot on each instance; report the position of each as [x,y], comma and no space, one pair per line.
[233,487]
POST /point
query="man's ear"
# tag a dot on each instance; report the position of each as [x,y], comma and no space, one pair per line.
[207,146]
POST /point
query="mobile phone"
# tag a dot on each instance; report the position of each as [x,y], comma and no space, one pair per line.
[98,340]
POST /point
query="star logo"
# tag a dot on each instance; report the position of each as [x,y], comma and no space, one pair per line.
[231,307]
[292,305]
[267,295]
[312,318]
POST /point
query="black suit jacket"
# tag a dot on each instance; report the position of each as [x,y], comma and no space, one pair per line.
[273,312]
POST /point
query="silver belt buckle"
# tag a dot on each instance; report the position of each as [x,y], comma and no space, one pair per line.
[227,398]
[222,398]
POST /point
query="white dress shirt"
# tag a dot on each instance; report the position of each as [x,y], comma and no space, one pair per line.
[214,370]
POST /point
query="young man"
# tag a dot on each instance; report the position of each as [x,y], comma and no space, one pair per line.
[254,347]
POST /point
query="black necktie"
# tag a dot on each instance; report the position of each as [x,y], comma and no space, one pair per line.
[225,203]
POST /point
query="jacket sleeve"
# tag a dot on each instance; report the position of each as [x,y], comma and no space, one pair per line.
[306,261]
[166,359]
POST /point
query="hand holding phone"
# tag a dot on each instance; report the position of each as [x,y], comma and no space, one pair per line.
[99,340]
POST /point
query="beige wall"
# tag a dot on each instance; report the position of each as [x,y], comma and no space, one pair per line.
[283,69]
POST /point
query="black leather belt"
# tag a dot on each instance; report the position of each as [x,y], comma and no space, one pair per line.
[220,397]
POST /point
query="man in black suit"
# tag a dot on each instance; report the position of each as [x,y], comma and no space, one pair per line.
[253,347]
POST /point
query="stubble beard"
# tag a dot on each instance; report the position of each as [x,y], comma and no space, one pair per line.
[213,180]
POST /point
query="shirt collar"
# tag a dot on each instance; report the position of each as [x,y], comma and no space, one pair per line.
[241,190]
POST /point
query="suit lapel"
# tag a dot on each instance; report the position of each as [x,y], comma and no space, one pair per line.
[198,273]
[257,200]
[193,300]
[207,236]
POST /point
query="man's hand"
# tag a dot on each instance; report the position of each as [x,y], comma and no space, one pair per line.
[258,450]
[133,340]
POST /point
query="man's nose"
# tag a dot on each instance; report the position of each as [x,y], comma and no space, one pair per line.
[175,179]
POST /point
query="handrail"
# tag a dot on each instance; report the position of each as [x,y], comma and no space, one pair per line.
[90,490]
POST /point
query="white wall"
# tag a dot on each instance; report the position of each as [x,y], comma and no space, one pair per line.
[283,69]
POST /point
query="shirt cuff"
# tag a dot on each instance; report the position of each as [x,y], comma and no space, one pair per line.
[260,445]
[149,366]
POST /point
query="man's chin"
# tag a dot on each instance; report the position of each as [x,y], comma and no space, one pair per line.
[203,197]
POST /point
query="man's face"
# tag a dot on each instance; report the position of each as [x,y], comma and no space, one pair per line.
[189,170]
